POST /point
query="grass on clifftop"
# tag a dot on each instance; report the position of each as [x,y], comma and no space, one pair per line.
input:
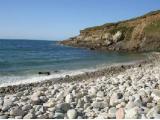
[153,28]
[117,23]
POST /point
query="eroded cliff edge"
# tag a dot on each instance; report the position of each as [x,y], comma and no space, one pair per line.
[137,34]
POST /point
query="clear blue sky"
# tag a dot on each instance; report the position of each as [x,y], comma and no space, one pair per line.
[60,19]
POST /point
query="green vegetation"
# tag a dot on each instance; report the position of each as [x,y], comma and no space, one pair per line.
[117,23]
[152,13]
[143,16]
[127,32]
[122,29]
[100,27]
[153,28]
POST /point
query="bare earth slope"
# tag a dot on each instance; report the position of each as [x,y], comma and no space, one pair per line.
[138,34]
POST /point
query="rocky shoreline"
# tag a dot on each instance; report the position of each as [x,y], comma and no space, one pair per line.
[137,34]
[123,91]
[107,71]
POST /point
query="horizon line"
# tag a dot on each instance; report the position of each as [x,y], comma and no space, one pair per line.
[27,39]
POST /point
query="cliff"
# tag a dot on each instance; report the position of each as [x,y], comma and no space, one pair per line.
[137,34]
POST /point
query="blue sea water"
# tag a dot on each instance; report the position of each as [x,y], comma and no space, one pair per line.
[21,60]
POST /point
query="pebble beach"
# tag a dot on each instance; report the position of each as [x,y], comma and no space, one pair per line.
[127,92]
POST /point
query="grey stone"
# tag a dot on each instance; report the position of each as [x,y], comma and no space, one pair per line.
[156,94]
[65,106]
[1,100]
[43,98]
[24,98]
[130,105]
[37,107]
[80,103]
[3,116]
[59,115]
[38,113]
[53,109]
[74,92]
[26,92]
[153,112]
[99,105]
[18,117]
[112,112]
[100,94]
[69,98]
[99,99]
[5,107]
[72,114]
[42,110]
[16,111]
[138,101]
[29,116]
[131,98]
[26,107]
[86,105]
[143,116]
[8,102]
[157,116]
[60,95]
[49,103]
[53,92]
[79,117]
[42,116]
[115,99]
[86,99]
[132,113]
[19,94]
[51,115]
[35,99]
[102,115]
[92,91]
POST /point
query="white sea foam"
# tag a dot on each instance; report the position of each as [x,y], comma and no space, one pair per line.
[16,80]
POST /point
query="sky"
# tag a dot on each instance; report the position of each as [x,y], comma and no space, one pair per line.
[61,19]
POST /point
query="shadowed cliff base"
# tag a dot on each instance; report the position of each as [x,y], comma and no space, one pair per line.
[137,34]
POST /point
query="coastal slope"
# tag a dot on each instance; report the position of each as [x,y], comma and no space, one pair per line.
[137,34]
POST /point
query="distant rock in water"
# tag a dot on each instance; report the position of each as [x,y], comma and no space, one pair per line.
[44,73]
[92,48]
[137,34]
[56,71]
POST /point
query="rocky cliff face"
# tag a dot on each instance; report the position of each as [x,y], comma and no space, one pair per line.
[138,34]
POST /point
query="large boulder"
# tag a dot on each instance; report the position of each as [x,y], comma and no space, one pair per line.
[117,36]
[107,42]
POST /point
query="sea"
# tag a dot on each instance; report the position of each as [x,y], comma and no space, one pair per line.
[22,60]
